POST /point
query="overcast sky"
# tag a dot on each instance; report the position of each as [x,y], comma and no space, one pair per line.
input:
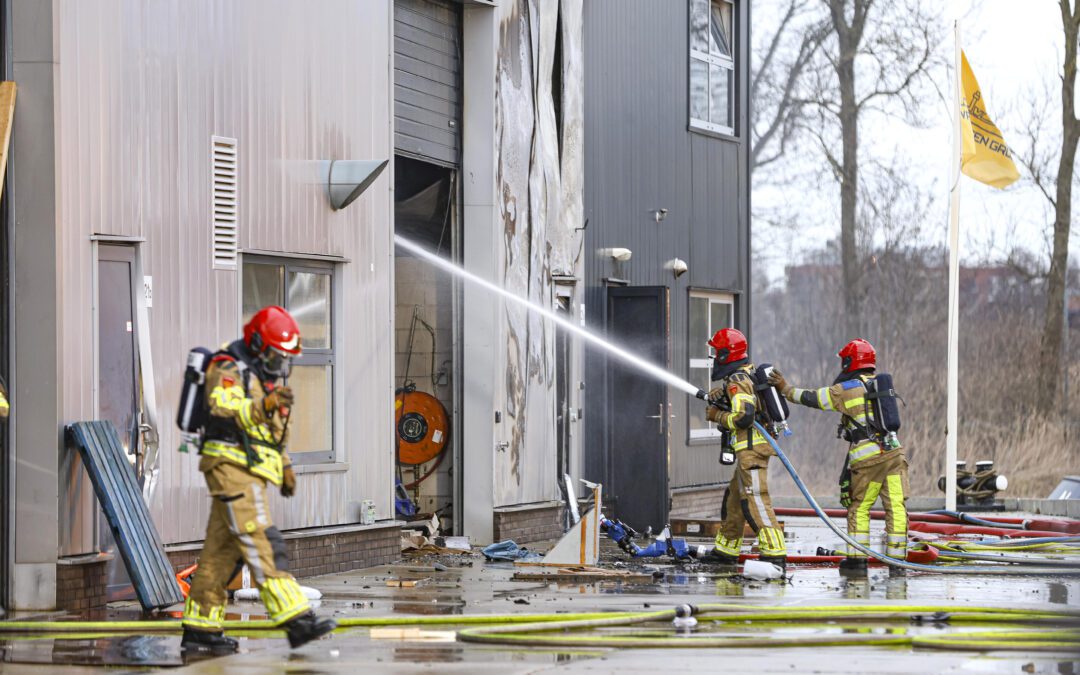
[1014,48]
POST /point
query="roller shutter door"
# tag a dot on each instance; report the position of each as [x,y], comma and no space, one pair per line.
[427,80]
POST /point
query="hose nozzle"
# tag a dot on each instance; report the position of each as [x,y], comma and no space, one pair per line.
[702,394]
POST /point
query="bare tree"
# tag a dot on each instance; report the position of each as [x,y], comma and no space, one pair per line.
[782,56]
[1050,352]
[875,56]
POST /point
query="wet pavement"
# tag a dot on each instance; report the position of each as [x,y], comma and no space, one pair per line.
[471,586]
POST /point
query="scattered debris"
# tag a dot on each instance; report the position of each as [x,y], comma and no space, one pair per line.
[455,543]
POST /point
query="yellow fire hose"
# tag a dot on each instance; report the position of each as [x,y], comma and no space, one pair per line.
[553,630]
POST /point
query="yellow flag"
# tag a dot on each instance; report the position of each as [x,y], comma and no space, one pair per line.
[984,155]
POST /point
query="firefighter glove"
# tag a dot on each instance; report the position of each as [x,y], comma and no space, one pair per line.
[845,488]
[288,482]
[718,397]
[776,379]
[281,397]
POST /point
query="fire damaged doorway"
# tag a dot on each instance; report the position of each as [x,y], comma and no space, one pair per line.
[427,344]
[639,412]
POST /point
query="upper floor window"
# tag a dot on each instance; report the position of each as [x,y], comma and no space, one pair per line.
[712,65]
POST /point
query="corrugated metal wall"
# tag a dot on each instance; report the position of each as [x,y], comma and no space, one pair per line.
[427,80]
[639,156]
[141,88]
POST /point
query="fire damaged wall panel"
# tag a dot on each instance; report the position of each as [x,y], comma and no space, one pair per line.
[539,166]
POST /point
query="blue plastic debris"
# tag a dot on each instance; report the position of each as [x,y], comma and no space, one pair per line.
[509,551]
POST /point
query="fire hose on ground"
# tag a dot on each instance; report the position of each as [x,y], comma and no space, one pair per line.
[537,629]
[894,562]
[1048,629]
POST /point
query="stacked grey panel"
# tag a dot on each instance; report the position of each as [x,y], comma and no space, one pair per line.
[114,483]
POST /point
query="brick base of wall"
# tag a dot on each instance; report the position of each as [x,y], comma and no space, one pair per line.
[697,502]
[529,522]
[325,550]
[81,581]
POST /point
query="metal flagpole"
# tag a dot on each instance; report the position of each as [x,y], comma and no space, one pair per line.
[953,379]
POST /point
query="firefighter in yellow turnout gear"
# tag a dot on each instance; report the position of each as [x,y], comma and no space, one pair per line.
[243,450]
[875,465]
[746,500]
[5,407]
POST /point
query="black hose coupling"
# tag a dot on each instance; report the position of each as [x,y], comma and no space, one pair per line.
[685,611]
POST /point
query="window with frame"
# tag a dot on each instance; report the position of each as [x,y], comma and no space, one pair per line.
[709,312]
[305,289]
[712,65]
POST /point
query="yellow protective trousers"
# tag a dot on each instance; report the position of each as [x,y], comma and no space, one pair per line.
[240,530]
[884,476]
[746,500]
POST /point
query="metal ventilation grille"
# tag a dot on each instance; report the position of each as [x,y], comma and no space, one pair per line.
[225,201]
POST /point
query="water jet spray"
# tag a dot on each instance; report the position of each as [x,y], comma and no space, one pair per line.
[634,360]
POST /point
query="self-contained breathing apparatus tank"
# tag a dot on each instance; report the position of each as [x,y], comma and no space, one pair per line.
[191,413]
[884,411]
[776,406]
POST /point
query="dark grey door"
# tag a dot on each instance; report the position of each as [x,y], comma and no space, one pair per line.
[117,392]
[638,408]
[117,369]
[427,80]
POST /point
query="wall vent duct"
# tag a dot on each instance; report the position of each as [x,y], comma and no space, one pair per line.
[225,202]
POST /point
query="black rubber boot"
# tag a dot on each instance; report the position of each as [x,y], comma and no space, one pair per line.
[307,627]
[205,641]
[779,561]
[853,567]
[718,558]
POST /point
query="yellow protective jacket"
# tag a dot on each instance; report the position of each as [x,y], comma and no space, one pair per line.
[4,406]
[849,399]
[737,389]
[229,402]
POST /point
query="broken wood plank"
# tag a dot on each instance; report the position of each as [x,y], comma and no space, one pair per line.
[413,634]
[403,583]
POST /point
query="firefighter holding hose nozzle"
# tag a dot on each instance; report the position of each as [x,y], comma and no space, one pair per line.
[243,450]
[875,465]
[733,406]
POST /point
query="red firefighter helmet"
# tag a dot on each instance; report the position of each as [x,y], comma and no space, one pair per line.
[730,345]
[857,355]
[273,334]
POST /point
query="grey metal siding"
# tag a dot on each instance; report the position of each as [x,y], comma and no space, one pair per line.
[640,156]
[427,80]
[140,90]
